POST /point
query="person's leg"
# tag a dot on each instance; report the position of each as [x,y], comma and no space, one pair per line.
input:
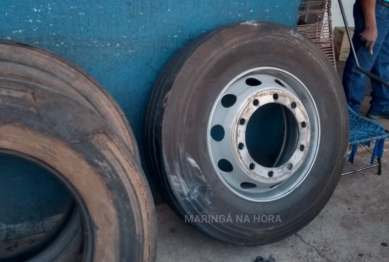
[354,82]
[380,95]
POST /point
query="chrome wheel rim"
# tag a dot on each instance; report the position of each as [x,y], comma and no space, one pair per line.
[231,150]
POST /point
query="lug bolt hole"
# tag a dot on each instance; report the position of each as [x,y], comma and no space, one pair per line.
[242,121]
[256,102]
[293,105]
[270,173]
[241,146]
[290,166]
[252,166]
[275,96]
[302,147]
[303,124]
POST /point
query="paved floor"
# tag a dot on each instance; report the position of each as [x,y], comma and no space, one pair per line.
[354,226]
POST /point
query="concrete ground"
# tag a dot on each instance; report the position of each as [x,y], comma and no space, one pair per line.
[354,226]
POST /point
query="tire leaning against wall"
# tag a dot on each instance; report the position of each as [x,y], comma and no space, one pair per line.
[90,158]
[270,62]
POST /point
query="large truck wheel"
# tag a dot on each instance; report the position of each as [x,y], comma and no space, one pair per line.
[248,129]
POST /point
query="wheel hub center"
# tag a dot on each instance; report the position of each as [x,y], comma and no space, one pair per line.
[296,136]
[259,153]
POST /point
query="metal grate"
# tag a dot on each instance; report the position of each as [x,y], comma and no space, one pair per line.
[316,24]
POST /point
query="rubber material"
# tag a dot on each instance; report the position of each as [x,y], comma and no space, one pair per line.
[177,120]
[154,117]
[66,246]
[41,244]
[86,154]
[32,64]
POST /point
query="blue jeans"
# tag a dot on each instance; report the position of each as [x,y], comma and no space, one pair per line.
[354,81]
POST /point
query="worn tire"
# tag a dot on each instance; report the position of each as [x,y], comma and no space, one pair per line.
[32,64]
[91,159]
[66,246]
[176,130]
[27,252]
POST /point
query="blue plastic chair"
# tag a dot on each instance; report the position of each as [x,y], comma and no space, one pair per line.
[363,132]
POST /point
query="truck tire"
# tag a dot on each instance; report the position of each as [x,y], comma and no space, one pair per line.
[23,253]
[32,64]
[67,245]
[248,133]
[91,159]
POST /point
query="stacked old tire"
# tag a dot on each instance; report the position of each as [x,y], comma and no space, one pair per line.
[55,115]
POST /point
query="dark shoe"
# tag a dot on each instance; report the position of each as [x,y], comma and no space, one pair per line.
[372,114]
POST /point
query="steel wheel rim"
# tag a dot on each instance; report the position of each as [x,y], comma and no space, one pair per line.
[240,99]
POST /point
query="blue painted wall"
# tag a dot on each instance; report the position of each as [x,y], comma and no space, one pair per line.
[124,44]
